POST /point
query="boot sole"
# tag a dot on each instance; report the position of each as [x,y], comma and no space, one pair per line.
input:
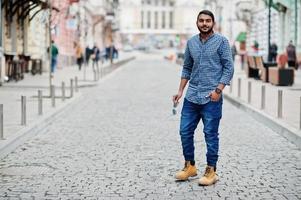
[178,179]
[209,184]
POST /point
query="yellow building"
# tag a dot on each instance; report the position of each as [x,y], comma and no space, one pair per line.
[24,36]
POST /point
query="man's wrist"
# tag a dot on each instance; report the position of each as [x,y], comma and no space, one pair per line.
[218,90]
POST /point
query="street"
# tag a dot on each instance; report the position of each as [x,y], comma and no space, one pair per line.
[121,141]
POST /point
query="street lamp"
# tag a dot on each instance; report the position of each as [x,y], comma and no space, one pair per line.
[269,32]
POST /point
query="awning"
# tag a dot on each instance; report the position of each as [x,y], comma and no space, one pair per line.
[242,36]
[24,7]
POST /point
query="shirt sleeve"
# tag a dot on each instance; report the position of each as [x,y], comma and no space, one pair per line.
[188,63]
[227,63]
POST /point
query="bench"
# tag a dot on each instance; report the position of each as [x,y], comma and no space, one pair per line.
[36,66]
[281,77]
[13,68]
[258,69]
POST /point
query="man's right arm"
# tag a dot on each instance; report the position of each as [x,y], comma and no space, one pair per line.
[185,77]
[178,96]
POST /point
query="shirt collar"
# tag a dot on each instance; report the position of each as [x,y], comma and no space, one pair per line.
[213,33]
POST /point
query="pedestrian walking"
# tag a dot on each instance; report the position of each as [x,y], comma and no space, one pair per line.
[88,53]
[273,52]
[208,67]
[54,55]
[79,55]
[255,47]
[95,59]
[291,55]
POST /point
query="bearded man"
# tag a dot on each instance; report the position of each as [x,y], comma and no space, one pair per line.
[208,67]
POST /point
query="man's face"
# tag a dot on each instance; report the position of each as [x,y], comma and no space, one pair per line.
[205,24]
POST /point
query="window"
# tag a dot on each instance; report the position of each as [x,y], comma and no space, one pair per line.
[163,19]
[142,2]
[163,2]
[156,20]
[171,20]
[171,3]
[148,19]
[142,19]
[156,2]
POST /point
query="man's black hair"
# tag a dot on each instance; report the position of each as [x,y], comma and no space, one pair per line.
[207,12]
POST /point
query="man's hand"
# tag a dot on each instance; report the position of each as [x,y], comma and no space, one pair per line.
[177,97]
[214,96]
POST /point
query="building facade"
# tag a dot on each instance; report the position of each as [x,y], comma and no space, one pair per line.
[23,35]
[251,16]
[160,23]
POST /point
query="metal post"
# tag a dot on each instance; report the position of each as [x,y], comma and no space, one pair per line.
[269,31]
[52,95]
[1,25]
[239,86]
[23,110]
[76,84]
[63,91]
[279,113]
[50,44]
[71,88]
[263,97]
[94,72]
[40,100]
[296,23]
[1,122]
[85,65]
[100,69]
[231,87]
[300,115]
[249,91]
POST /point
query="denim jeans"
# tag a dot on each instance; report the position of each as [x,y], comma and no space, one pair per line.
[53,63]
[210,113]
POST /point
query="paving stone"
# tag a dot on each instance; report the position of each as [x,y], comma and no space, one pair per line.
[120,141]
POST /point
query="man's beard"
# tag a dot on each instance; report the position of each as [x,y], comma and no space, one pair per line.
[206,32]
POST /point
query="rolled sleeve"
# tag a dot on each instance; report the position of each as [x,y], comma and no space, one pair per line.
[188,63]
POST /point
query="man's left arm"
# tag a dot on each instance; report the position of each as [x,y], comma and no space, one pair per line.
[227,71]
[227,64]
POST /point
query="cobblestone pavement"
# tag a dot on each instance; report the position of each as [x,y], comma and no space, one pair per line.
[121,142]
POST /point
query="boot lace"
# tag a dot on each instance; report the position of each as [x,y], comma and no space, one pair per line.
[207,171]
[185,167]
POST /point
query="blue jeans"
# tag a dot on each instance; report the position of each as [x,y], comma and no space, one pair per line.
[210,113]
[53,63]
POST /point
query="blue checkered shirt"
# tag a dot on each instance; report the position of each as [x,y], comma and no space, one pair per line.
[206,64]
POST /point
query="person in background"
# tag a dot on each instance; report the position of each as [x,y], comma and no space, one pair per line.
[291,55]
[54,55]
[88,53]
[79,55]
[95,59]
[273,52]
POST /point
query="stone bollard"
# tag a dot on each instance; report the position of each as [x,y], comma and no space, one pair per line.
[76,84]
[279,110]
[1,122]
[239,87]
[52,95]
[249,91]
[71,88]
[23,110]
[262,97]
[40,102]
[63,91]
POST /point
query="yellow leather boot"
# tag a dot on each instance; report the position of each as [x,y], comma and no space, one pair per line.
[209,177]
[188,171]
